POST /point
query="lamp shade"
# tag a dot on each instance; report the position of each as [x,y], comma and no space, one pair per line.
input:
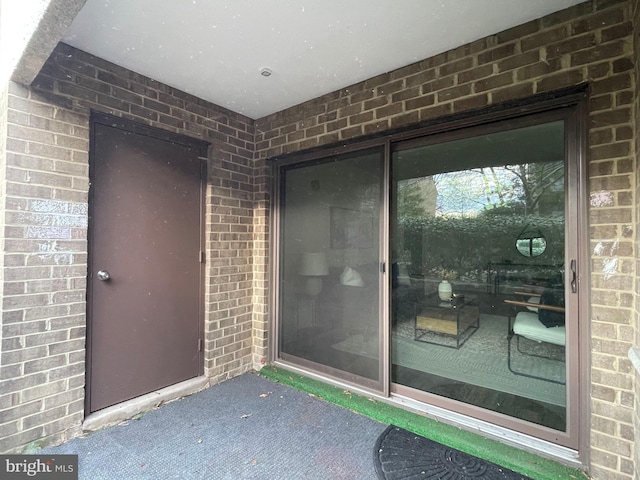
[314,265]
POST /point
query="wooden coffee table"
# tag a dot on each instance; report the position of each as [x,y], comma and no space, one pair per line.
[449,324]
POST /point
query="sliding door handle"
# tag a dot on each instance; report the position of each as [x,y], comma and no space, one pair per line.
[574,283]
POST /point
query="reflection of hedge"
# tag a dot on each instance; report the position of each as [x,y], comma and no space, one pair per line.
[468,245]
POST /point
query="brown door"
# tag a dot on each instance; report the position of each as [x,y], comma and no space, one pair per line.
[145,278]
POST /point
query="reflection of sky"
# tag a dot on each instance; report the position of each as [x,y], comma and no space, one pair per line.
[465,193]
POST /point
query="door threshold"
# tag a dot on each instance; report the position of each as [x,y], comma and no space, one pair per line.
[129,409]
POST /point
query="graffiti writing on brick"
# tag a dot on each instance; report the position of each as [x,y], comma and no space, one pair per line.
[54,220]
[48,232]
[50,221]
[54,213]
[59,207]
[50,251]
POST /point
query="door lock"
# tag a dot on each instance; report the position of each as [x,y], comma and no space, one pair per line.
[103,275]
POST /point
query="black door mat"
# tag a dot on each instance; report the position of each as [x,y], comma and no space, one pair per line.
[402,455]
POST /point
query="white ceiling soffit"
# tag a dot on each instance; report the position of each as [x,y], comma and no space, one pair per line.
[215,49]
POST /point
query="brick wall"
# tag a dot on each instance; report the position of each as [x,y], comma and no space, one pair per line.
[45,255]
[44,270]
[261,239]
[591,42]
[636,48]
[4,401]
[43,313]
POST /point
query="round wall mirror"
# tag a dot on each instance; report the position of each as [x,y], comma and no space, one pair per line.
[531,242]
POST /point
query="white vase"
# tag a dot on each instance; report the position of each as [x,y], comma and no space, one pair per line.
[444,291]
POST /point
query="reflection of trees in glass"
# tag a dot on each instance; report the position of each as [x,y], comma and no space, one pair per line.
[416,197]
[409,200]
[476,215]
[542,186]
[512,189]
[469,192]
[467,245]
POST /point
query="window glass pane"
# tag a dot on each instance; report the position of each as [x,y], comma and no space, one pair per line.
[330,263]
[478,244]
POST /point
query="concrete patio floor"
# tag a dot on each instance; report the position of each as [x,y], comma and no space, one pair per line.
[246,427]
[273,425]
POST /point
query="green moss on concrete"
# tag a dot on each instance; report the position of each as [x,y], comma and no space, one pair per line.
[509,457]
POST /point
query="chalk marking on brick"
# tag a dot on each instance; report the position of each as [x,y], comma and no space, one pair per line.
[610,264]
[50,250]
[598,249]
[59,206]
[53,220]
[602,199]
[610,268]
[48,233]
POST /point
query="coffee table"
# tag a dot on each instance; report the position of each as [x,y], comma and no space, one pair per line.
[449,324]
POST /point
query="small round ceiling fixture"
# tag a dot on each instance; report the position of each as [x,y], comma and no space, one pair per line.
[265,72]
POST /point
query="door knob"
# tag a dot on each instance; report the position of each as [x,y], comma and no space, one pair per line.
[103,275]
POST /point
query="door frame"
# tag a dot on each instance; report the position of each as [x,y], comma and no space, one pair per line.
[575,101]
[201,147]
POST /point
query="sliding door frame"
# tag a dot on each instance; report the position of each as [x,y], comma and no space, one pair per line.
[382,386]
[569,438]
[570,104]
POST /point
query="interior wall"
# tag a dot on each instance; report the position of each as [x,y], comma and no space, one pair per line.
[589,43]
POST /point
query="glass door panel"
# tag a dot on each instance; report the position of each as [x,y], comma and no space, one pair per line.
[330,256]
[478,244]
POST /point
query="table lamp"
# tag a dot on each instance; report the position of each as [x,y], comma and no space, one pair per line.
[314,266]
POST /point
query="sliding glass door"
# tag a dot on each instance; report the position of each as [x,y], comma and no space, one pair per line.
[330,265]
[443,266]
[478,232]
